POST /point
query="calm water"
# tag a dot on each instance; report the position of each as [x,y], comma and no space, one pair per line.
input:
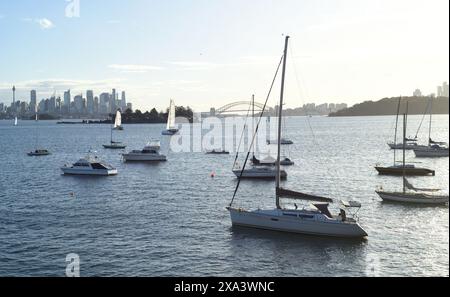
[170,219]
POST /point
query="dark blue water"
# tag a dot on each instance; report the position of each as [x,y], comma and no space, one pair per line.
[169,219]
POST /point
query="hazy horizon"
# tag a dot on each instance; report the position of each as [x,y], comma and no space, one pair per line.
[209,53]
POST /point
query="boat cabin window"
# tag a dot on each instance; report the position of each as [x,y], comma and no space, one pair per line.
[81,164]
[98,166]
[149,152]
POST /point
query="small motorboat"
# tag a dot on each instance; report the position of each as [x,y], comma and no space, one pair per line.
[150,153]
[115,146]
[284,141]
[259,172]
[89,165]
[39,152]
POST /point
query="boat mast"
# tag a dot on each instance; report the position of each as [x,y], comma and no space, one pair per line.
[253,123]
[404,148]
[396,129]
[431,118]
[280,115]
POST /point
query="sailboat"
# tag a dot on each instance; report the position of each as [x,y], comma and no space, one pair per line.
[417,196]
[434,149]
[115,145]
[118,121]
[38,152]
[403,169]
[408,143]
[318,221]
[256,171]
[171,127]
[15,121]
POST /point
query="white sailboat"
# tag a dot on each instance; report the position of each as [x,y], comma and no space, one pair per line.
[434,149]
[15,121]
[171,128]
[317,221]
[118,121]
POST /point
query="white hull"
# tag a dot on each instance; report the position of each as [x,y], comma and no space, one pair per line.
[409,146]
[316,225]
[97,172]
[431,153]
[144,157]
[412,198]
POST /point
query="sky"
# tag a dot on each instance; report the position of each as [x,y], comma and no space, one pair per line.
[207,53]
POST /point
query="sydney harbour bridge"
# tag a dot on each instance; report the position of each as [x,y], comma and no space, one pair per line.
[238,106]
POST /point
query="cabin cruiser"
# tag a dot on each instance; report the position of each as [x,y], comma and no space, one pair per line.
[114,145]
[89,165]
[150,153]
[39,152]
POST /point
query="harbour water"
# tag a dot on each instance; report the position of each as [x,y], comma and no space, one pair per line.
[169,219]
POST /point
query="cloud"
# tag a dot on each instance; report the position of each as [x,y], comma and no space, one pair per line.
[130,68]
[45,23]
[195,65]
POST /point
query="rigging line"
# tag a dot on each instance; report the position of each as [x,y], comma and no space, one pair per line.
[299,95]
[423,119]
[242,135]
[256,130]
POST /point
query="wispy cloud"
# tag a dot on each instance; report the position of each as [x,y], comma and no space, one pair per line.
[45,23]
[132,68]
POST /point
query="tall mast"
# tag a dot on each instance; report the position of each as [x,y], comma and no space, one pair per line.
[253,122]
[396,129]
[431,118]
[280,115]
[404,147]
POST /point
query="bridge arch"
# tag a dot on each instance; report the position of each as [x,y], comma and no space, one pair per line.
[238,106]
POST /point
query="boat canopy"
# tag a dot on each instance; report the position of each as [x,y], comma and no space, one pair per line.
[301,196]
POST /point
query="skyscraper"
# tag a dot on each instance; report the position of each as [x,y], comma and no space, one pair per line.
[66,106]
[113,104]
[33,103]
[123,102]
[90,101]
[104,103]
[79,104]
[445,89]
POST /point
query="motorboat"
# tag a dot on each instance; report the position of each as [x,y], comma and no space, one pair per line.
[39,152]
[284,141]
[89,165]
[150,153]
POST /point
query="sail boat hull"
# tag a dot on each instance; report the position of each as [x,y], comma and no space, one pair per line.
[407,170]
[300,222]
[431,152]
[412,198]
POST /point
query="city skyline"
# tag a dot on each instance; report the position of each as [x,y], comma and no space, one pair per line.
[206,54]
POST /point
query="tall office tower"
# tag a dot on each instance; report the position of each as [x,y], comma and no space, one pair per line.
[113,102]
[445,89]
[14,98]
[67,99]
[440,92]
[33,103]
[90,101]
[58,105]
[79,104]
[96,105]
[104,103]
[52,104]
[123,101]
